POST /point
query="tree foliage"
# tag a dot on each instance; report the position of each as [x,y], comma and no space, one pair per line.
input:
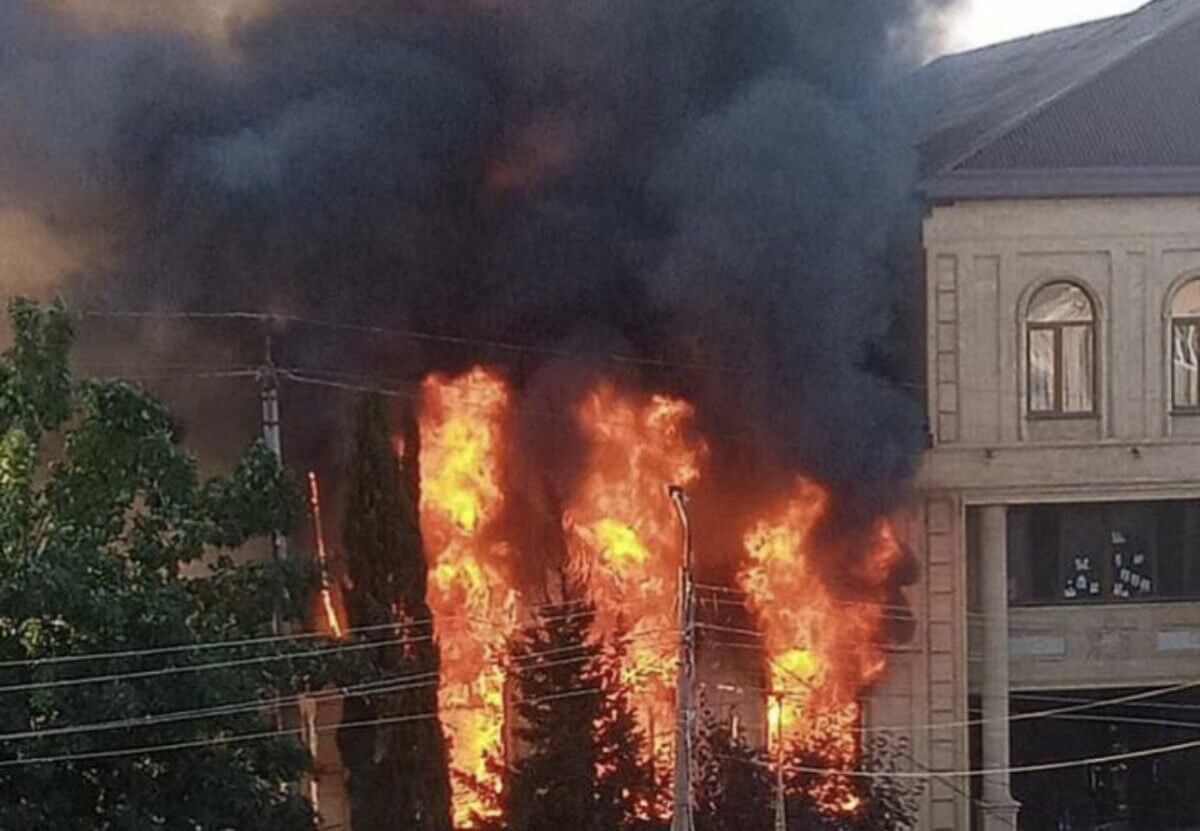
[737,791]
[110,543]
[576,757]
[397,772]
[887,803]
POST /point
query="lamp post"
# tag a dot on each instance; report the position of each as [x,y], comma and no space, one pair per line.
[780,798]
[682,818]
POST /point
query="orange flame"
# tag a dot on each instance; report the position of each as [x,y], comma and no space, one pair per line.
[623,542]
[462,431]
[822,652]
[624,539]
[332,620]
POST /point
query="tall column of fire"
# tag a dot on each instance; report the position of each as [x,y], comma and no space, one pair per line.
[470,593]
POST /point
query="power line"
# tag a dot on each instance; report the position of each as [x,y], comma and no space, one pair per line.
[1077,708]
[1135,720]
[432,337]
[1162,705]
[196,647]
[378,687]
[1160,750]
[1084,705]
[196,743]
[954,786]
[365,688]
[266,734]
[238,662]
[269,639]
[258,704]
[306,377]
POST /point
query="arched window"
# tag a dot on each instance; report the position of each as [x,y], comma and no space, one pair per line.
[1062,351]
[1185,348]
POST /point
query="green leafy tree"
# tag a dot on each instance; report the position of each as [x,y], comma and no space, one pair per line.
[577,758]
[397,771]
[109,543]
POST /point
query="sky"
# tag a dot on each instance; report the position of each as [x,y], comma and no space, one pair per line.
[976,23]
[981,22]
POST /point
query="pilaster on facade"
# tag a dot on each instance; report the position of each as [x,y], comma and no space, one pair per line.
[948,797]
[998,809]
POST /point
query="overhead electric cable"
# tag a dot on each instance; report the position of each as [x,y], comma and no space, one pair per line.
[262,735]
[267,639]
[377,687]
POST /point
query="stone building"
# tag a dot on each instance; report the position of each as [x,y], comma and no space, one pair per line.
[1059,519]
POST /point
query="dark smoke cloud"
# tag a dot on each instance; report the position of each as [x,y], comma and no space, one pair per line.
[716,182]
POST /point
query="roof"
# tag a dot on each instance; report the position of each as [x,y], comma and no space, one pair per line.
[1110,107]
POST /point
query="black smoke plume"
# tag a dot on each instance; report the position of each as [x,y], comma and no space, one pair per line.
[723,187]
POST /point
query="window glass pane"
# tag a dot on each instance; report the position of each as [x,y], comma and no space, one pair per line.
[1041,370]
[1131,560]
[1033,553]
[1190,551]
[1186,363]
[1077,369]
[1187,301]
[1060,303]
[1170,537]
[1081,551]
[1104,552]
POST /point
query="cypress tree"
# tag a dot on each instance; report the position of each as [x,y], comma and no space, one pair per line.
[553,756]
[630,795]
[578,760]
[397,773]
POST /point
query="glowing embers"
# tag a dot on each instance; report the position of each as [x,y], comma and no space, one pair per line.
[623,538]
[462,423]
[822,652]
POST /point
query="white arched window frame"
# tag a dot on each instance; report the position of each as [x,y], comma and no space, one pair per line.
[1185,348]
[1060,351]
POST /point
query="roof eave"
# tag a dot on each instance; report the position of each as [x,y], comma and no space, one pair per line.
[1064,183]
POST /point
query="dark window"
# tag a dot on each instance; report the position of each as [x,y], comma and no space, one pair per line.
[1061,351]
[1104,552]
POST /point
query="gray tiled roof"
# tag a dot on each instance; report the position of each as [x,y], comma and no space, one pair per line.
[1109,106]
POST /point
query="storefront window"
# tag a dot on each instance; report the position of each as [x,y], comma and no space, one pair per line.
[1104,552]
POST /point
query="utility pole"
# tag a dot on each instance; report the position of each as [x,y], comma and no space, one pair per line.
[270,428]
[682,817]
[780,797]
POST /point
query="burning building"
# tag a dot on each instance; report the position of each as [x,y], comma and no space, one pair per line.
[599,248]
[821,645]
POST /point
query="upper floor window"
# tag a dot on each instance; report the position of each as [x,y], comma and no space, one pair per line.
[1185,348]
[1062,351]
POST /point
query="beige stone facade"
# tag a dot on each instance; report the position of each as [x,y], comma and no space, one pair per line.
[984,262]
